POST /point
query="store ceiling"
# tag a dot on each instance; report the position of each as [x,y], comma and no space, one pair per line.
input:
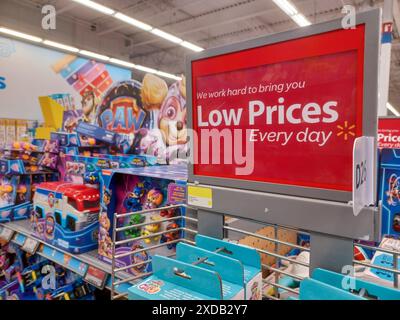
[206,23]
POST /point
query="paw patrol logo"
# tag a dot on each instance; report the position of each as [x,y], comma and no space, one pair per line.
[51,200]
[121,110]
[124,116]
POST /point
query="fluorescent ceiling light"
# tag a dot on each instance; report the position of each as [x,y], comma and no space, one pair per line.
[191,46]
[301,20]
[122,63]
[286,6]
[60,46]
[94,55]
[96,6]
[392,109]
[145,69]
[168,75]
[20,35]
[166,36]
[133,22]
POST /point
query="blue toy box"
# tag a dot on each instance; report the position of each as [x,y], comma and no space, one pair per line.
[249,257]
[137,189]
[176,280]
[230,270]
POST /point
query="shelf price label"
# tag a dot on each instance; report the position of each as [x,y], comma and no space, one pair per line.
[30,245]
[6,234]
[96,277]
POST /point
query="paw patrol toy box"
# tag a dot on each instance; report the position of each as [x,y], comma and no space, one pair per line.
[389,192]
[133,190]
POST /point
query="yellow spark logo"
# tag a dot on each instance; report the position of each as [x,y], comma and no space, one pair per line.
[346,130]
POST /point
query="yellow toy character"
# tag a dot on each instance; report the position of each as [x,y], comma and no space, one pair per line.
[150,229]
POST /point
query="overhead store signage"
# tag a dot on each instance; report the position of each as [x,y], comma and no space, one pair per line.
[389,133]
[285,113]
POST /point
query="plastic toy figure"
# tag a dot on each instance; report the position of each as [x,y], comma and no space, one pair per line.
[135,219]
[91,178]
[168,213]
[154,199]
[150,229]
[170,236]
[132,202]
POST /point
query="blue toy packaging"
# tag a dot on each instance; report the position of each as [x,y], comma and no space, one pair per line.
[135,189]
[199,273]
[230,270]
[389,191]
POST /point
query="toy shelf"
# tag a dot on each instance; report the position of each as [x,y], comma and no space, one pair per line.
[78,263]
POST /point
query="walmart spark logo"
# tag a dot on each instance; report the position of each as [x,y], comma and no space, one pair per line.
[346,130]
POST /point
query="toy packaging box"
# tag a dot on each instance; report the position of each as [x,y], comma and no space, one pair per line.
[84,169]
[177,280]
[66,215]
[230,270]
[249,257]
[389,191]
[136,189]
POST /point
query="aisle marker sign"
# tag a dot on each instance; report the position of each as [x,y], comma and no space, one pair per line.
[363,173]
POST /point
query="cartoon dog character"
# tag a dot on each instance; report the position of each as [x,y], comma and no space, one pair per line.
[169,141]
[89,103]
[172,118]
